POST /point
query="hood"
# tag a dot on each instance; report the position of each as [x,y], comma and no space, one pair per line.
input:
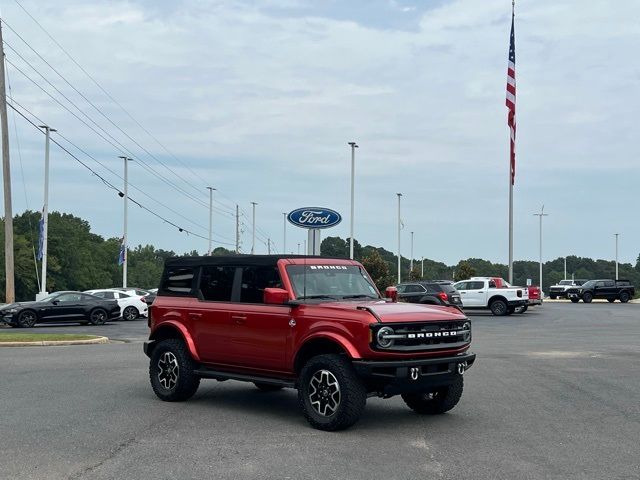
[19,305]
[400,312]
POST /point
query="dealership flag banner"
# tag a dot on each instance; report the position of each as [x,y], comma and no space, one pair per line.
[40,236]
[123,254]
[511,98]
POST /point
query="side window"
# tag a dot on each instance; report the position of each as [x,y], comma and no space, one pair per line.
[492,284]
[178,280]
[599,284]
[100,294]
[109,295]
[475,285]
[123,295]
[462,286]
[414,289]
[216,283]
[69,297]
[402,288]
[610,283]
[255,280]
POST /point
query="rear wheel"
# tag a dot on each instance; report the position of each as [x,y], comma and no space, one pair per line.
[171,371]
[624,297]
[611,300]
[552,297]
[522,309]
[587,297]
[330,394]
[438,401]
[498,307]
[574,300]
[27,319]
[98,316]
[130,313]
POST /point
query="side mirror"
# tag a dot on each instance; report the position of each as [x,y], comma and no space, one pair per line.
[55,302]
[391,293]
[275,296]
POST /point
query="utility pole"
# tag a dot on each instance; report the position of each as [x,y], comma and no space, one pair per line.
[616,235]
[45,210]
[269,246]
[284,233]
[399,257]
[353,172]
[10,288]
[211,189]
[237,229]
[541,214]
[411,262]
[253,229]
[125,243]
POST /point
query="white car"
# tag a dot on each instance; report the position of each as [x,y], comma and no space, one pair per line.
[131,306]
[483,292]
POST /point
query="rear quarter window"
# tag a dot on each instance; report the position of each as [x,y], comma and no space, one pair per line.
[178,280]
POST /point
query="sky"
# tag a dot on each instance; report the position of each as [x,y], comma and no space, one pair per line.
[259,99]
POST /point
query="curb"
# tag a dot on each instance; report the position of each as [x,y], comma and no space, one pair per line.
[55,343]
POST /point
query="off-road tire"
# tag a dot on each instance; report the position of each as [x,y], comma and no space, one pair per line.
[438,401]
[352,393]
[624,297]
[575,300]
[552,297]
[611,300]
[522,309]
[587,297]
[186,381]
[267,387]
[511,310]
[499,307]
[98,316]
[130,313]
[27,319]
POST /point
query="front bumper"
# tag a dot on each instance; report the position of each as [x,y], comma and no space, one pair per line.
[404,376]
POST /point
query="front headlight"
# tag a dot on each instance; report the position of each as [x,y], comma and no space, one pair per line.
[466,332]
[382,337]
[11,310]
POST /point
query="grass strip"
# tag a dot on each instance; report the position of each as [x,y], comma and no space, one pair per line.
[42,337]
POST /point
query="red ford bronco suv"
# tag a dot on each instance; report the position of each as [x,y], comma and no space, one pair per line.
[315,324]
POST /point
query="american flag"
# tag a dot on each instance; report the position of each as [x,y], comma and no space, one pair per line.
[511,99]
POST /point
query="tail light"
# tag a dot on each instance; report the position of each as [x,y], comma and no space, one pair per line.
[443,296]
[144,299]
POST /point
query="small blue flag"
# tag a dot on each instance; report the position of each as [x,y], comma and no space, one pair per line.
[41,236]
[123,254]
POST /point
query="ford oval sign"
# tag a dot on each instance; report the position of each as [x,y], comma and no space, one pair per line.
[314,217]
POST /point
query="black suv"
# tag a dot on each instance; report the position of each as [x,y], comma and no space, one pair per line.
[432,293]
[610,289]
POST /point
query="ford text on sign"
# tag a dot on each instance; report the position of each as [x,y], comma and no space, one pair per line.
[313,217]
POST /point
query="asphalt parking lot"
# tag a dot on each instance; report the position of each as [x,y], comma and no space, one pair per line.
[553,395]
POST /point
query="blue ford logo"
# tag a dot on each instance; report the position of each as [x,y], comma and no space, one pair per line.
[314,217]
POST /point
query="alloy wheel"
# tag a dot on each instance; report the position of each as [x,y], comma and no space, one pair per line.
[168,370]
[324,393]
[130,313]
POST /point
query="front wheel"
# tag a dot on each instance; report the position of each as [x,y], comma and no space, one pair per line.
[330,394]
[552,297]
[574,300]
[98,316]
[624,297]
[171,371]
[499,307]
[587,297]
[611,300]
[27,319]
[130,313]
[438,401]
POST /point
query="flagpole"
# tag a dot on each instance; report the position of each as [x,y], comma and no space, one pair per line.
[513,7]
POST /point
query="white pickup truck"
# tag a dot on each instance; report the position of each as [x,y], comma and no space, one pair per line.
[482,292]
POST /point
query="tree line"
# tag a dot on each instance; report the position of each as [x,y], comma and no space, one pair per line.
[80,260]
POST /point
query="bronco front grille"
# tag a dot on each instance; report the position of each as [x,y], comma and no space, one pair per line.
[421,336]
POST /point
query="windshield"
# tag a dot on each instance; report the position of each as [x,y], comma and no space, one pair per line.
[48,298]
[589,284]
[565,282]
[335,282]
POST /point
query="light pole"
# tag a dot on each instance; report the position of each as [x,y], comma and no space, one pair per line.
[211,189]
[125,245]
[541,214]
[422,270]
[298,248]
[616,235]
[45,210]
[353,172]
[253,228]
[284,232]
[565,268]
[411,262]
[399,223]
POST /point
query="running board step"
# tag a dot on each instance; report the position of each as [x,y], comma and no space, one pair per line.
[218,375]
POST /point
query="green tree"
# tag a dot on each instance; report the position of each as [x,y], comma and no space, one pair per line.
[378,269]
[464,271]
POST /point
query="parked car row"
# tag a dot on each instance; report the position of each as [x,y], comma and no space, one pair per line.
[90,307]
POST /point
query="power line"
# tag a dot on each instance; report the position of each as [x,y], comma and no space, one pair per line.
[110,185]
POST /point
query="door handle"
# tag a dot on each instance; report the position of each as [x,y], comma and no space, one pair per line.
[238,319]
[195,316]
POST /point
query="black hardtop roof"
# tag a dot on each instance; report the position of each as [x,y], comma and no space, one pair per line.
[239,260]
